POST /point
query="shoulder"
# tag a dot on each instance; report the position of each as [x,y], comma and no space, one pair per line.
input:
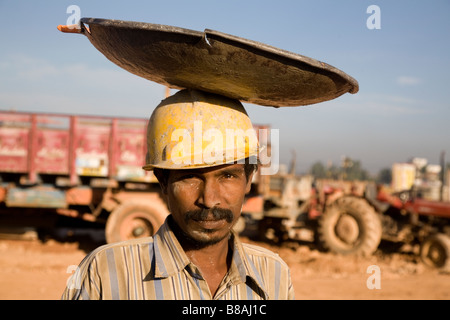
[123,246]
[255,252]
[107,253]
[87,280]
[269,270]
[126,244]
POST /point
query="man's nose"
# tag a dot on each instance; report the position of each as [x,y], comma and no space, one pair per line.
[209,194]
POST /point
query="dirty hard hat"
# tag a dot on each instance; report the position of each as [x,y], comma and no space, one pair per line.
[196,129]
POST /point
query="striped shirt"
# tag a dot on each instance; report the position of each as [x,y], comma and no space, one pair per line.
[158,268]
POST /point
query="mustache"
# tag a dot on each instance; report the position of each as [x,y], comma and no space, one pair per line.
[203,214]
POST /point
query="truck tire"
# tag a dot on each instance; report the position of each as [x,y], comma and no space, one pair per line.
[350,226]
[435,251]
[132,220]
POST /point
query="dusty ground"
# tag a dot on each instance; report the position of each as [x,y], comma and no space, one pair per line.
[36,270]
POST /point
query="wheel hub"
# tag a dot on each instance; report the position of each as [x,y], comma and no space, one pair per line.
[436,255]
[347,229]
[136,226]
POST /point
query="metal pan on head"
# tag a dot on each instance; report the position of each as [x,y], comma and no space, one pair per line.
[216,62]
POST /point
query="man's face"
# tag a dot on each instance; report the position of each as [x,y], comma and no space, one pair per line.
[206,203]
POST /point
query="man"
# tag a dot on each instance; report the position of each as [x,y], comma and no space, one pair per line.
[205,166]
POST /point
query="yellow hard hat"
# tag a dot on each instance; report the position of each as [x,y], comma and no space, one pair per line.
[196,129]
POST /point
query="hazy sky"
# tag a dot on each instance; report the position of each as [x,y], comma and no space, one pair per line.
[401,111]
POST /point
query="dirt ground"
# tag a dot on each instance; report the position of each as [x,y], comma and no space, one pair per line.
[32,269]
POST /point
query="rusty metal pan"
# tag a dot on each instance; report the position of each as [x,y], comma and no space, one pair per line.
[216,62]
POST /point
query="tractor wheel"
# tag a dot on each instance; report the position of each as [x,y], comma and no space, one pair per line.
[133,220]
[435,251]
[350,226]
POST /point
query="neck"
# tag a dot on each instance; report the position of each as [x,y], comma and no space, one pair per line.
[213,259]
[217,250]
[215,255]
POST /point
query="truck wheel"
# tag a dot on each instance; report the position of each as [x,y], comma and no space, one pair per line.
[133,220]
[350,226]
[435,251]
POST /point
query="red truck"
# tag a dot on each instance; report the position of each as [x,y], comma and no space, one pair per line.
[87,167]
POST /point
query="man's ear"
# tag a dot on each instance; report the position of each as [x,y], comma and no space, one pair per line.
[249,182]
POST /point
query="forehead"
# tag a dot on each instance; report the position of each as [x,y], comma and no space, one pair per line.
[235,168]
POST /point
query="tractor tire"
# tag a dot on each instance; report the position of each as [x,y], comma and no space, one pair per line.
[132,220]
[350,226]
[435,251]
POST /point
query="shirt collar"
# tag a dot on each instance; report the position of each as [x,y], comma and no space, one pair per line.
[169,256]
[170,259]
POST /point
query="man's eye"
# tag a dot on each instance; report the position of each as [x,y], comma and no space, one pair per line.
[229,175]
